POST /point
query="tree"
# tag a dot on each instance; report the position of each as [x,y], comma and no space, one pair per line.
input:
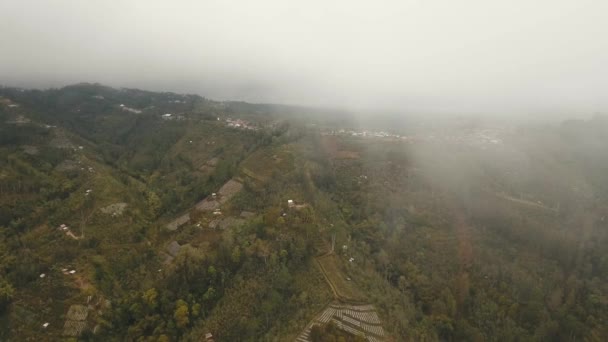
[384,260]
[181,314]
[262,249]
[153,202]
[150,298]
[209,294]
[236,255]
[211,272]
[196,310]
[6,293]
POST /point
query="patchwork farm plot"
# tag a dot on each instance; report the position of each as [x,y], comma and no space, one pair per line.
[359,320]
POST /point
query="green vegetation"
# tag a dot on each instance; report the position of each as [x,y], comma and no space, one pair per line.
[447,242]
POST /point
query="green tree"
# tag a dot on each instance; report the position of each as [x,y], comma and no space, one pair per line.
[153,202]
[6,293]
[209,294]
[236,255]
[196,310]
[181,314]
[150,298]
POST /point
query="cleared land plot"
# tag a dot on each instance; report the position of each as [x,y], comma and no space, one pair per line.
[178,222]
[261,165]
[67,165]
[345,290]
[207,204]
[229,189]
[60,141]
[75,321]
[230,222]
[206,237]
[77,312]
[226,192]
[209,165]
[115,209]
[73,328]
[31,150]
[336,149]
[173,248]
[247,214]
[207,138]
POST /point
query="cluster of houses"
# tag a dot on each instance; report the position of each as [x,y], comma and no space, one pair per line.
[294,205]
[480,137]
[364,134]
[129,109]
[238,123]
[66,272]
[7,102]
[64,228]
[170,116]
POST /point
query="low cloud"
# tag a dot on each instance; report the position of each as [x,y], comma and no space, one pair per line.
[452,57]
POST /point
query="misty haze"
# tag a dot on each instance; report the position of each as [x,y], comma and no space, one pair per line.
[313,171]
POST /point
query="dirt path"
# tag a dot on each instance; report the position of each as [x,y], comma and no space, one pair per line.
[324,251]
[70,234]
[524,202]
[331,285]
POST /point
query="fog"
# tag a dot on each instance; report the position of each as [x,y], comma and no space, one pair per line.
[468,56]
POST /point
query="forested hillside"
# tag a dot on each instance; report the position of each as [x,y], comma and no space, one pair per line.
[134,215]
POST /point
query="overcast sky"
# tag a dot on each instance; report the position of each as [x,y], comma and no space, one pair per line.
[413,55]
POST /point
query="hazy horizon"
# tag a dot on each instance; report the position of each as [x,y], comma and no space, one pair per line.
[511,58]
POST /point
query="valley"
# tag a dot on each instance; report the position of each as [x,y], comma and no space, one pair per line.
[254,223]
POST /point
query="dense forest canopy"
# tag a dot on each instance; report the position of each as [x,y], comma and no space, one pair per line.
[136,215]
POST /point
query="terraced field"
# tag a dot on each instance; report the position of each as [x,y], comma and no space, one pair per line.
[360,320]
[349,310]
